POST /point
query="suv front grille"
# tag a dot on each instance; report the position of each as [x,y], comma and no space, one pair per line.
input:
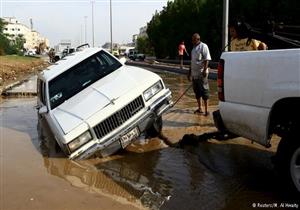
[118,118]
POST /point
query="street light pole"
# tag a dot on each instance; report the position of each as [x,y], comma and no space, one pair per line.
[93,33]
[85,35]
[225,25]
[81,39]
[111,41]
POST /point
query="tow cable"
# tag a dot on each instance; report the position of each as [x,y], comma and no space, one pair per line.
[177,100]
[181,95]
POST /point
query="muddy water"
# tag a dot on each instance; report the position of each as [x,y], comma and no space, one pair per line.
[209,175]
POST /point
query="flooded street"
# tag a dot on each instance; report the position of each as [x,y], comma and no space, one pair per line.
[233,174]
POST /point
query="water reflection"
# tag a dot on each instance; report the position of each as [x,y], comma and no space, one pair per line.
[122,176]
[112,179]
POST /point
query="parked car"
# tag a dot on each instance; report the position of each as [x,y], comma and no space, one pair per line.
[67,51]
[95,104]
[61,54]
[30,52]
[135,55]
[116,53]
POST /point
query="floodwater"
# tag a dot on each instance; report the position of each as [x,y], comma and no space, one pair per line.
[233,174]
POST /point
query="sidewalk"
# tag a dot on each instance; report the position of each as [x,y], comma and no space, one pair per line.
[213,73]
[26,87]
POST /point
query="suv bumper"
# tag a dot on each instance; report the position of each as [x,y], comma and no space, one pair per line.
[113,144]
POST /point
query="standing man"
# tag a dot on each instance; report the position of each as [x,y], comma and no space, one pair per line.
[198,72]
[51,55]
[181,50]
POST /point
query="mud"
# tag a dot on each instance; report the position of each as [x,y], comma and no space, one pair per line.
[209,174]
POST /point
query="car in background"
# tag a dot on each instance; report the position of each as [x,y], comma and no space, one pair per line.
[135,55]
[116,53]
[95,104]
[67,51]
[30,52]
[61,54]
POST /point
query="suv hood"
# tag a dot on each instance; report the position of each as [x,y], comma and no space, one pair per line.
[83,105]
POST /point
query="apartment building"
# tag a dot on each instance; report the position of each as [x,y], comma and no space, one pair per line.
[14,29]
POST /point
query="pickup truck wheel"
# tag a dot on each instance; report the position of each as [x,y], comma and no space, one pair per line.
[288,161]
[155,129]
[295,168]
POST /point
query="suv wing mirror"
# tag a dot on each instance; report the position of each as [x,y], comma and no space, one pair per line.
[123,60]
[43,110]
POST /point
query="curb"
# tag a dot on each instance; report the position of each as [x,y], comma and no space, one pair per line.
[10,86]
[5,89]
[213,74]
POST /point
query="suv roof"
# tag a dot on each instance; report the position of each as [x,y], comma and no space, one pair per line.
[67,62]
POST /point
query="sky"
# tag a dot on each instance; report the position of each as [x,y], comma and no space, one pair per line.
[72,19]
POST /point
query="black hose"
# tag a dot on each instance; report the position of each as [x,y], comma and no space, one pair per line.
[182,95]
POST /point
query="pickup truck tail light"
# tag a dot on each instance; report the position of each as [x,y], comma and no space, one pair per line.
[221,80]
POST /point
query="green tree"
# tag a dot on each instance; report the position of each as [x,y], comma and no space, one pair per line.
[144,46]
[10,44]
[17,44]
[4,42]
[181,18]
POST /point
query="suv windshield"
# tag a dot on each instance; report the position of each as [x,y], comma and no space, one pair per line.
[80,76]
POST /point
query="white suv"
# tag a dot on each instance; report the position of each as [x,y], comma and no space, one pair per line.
[94,103]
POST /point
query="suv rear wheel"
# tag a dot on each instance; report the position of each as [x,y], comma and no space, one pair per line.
[288,161]
[295,168]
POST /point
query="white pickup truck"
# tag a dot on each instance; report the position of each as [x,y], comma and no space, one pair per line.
[259,93]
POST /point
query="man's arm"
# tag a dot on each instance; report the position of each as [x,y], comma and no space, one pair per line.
[186,52]
[205,66]
[206,59]
[189,74]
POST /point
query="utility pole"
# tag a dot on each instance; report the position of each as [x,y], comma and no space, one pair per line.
[111,40]
[81,39]
[85,35]
[93,33]
[31,24]
[225,25]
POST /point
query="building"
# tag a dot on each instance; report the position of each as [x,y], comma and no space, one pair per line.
[143,32]
[65,43]
[107,46]
[134,39]
[14,29]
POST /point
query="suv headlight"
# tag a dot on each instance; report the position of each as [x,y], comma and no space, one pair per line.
[79,141]
[154,89]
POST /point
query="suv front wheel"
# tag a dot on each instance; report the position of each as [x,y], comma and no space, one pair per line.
[156,127]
